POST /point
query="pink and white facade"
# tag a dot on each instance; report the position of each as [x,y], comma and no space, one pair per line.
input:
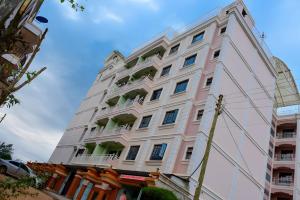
[154,109]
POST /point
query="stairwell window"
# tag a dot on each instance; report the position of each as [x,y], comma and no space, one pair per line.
[181,86]
[145,121]
[216,54]
[158,151]
[132,153]
[170,117]
[156,94]
[199,115]
[198,37]
[166,70]
[209,81]
[174,49]
[223,30]
[188,153]
[190,60]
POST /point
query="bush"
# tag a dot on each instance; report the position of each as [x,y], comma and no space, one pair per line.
[155,193]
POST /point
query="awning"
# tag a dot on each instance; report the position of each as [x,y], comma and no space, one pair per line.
[286,93]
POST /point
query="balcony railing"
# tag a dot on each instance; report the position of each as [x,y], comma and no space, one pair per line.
[116,90]
[286,135]
[154,61]
[120,129]
[284,157]
[283,181]
[89,159]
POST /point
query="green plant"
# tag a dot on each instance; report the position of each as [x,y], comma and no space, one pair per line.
[151,193]
[6,151]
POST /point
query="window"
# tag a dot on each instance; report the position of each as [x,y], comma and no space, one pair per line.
[174,49]
[79,152]
[244,13]
[271,144]
[272,132]
[181,86]
[199,115]
[158,151]
[269,167]
[223,30]
[15,163]
[270,153]
[133,151]
[190,60]
[188,153]
[170,117]
[217,54]
[93,130]
[82,135]
[145,121]
[268,177]
[198,37]
[166,70]
[94,113]
[209,81]
[156,94]
[24,167]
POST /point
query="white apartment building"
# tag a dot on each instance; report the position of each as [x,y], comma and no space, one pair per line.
[153,110]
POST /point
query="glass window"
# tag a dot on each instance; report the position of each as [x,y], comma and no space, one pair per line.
[145,121]
[268,177]
[156,94]
[209,81]
[174,49]
[190,60]
[181,86]
[198,37]
[188,153]
[133,151]
[223,30]
[170,117]
[217,53]
[166,70]
[158,151]
[93,130]
[199,114]
[24,167]
[15,163]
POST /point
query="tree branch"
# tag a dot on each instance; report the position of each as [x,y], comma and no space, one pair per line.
[28,80]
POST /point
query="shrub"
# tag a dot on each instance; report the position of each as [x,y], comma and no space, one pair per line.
[151,193]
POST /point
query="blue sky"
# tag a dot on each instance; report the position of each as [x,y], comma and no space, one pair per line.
[78,42]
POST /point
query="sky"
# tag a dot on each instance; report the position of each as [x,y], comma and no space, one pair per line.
[78,42]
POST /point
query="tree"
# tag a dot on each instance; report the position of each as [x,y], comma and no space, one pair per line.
[149,193]
[6,151]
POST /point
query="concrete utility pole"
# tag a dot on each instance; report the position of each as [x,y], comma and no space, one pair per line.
[208,146]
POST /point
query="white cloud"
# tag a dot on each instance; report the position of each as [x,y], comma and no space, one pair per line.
[102,14]
[151,4]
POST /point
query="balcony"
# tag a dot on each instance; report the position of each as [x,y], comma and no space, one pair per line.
[150,63]
[105,160]
[283,181]
[285,138]
[144,83]
[284,160]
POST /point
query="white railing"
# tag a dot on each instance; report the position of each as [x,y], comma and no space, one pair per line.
[120,129]
[283,181]
[285,135]
[131,84]
[89,159]
[154,60]
[284,157]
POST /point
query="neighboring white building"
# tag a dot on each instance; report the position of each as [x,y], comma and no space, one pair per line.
[154,109]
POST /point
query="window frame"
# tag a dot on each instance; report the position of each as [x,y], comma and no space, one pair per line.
[147,116]
[151,98]
[196,116]
[151,158]
[165,122]
[174,46]
[205,84]
[185,89]
[185,153]
[169,67]
[136,155]
[186,58]
[194,40]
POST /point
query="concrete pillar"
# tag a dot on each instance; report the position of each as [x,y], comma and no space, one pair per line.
[51,182]
[59,183]
[82,189]
[100,195]
[72,189]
